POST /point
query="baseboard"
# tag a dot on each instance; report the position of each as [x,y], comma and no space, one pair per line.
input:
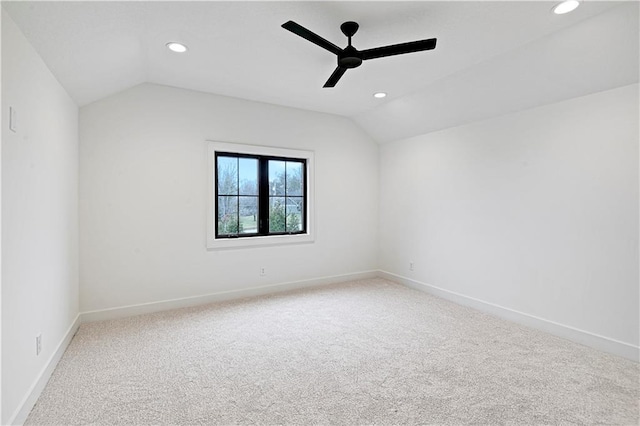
[583,337]
[165,305]
[36,389]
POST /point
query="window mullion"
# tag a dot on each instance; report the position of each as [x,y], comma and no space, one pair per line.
[263,196]
[238,195]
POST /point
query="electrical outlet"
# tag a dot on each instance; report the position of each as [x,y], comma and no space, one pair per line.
[411,266]
[263,271]
[38,344]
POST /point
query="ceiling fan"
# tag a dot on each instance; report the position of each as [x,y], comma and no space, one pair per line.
[350,57]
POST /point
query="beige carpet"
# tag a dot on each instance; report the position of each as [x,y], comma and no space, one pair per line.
[365,352]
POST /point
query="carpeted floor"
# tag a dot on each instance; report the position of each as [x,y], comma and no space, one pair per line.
[364,352]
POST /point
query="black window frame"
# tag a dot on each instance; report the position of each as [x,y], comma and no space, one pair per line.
[263,195]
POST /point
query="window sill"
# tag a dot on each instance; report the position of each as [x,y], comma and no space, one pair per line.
[272,240]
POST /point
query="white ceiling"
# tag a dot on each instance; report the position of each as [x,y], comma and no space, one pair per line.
[491,57]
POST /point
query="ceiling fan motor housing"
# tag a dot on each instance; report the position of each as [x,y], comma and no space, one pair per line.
[350,58]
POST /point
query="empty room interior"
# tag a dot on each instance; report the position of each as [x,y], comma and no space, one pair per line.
[362,212]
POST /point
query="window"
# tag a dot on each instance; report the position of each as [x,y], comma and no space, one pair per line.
[259,196]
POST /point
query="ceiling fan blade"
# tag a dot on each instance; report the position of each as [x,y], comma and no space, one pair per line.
[335,77]
[398,49]
[311,36]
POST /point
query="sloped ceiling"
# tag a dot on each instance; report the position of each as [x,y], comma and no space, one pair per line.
[492,57]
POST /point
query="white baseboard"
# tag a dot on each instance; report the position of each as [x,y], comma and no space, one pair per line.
[30,399]
[145,308]
[583,337]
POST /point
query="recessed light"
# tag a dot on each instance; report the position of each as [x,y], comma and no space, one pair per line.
[566,7]
[379,95]
[176,47]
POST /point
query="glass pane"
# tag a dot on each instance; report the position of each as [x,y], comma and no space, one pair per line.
[276,177]
[248,171]
[227,175]
[227,215]
[294,178]
[248,215]
[276,214]
[294,209]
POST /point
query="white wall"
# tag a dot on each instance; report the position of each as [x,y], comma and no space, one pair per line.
[535,211]
[143,196]
[39,217]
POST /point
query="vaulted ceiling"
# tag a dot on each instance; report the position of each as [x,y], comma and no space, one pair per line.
[492,58]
